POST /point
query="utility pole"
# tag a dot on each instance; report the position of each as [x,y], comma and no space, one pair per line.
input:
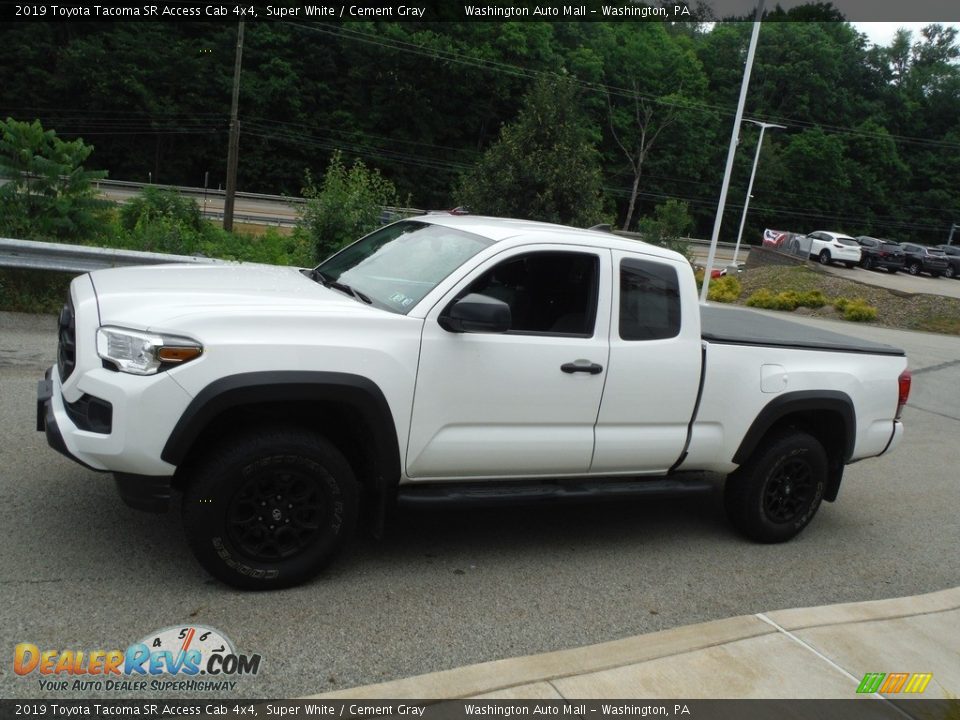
[753,174]
[744,85]
[234,147]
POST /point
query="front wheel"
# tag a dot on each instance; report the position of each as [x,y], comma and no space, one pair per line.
[775,494]
[868,263]
[913,268]
[824,257]
[950,272]
[270,509]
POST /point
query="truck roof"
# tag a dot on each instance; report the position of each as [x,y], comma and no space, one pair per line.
[499,229]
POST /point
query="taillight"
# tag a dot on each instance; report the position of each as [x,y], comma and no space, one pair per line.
[903,385]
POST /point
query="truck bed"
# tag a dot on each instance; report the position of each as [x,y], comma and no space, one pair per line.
[735,326]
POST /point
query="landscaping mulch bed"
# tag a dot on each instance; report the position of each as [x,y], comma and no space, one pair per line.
[933,313]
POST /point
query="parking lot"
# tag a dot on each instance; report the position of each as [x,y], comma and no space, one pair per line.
[79,570]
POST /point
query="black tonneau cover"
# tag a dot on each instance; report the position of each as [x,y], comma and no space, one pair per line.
[734,326]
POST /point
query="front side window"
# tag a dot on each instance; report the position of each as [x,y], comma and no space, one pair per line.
[649,300]
[396,266]
[550,293]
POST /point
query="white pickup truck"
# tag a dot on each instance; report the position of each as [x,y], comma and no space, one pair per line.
[449,359]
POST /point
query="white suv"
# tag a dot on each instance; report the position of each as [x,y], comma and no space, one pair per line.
[828,247]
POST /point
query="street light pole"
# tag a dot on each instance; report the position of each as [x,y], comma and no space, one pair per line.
[753,174]
[952,228]
[731,151]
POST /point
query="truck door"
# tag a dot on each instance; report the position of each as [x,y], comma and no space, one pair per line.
[654,371]
[525,401]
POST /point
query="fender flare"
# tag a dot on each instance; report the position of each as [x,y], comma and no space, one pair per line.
[805,401]
[235,391]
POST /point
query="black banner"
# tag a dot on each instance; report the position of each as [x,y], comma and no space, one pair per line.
[467,10]
[853,709]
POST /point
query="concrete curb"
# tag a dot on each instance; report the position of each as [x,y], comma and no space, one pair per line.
[613,667]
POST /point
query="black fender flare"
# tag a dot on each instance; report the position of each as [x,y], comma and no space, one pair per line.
[235,391]
[805,401]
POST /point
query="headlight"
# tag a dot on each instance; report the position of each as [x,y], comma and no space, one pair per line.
[143,353]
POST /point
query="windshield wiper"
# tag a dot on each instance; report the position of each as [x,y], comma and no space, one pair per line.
[329,282]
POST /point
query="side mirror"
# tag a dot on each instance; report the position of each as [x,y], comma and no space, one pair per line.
[476,313]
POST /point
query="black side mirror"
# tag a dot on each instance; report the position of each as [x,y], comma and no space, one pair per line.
[476,313]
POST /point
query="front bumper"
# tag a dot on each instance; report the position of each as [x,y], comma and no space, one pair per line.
[143,479]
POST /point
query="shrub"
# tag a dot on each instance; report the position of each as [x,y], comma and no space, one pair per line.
[153,205]
[812,299]
[841,303]
[724,289]
[763,298]
[346,205]
[859,311]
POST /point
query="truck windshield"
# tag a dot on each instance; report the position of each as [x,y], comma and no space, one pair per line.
[396,266]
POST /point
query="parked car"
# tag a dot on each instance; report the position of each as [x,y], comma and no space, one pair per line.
[876,253]
[450,359]
[828,247]
[953,257]
[923,259]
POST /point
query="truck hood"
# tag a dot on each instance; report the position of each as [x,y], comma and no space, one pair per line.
[155,297]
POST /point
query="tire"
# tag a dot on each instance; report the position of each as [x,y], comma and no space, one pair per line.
[776,493]
[824,257]
[850,265]
[868,263]
[913,268]
[892,270]
[950,272]
[310,502]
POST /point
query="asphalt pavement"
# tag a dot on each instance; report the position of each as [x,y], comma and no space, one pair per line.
[79,570]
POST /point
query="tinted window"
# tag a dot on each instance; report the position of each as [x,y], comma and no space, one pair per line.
[552,293]
[649,300]
[868,242]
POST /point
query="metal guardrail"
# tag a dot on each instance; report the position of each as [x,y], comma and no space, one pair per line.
[81,258]
[61,257]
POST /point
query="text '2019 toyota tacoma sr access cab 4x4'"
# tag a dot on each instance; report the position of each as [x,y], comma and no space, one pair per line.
[449,358]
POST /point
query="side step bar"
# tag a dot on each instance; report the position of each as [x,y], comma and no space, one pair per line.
[500,492]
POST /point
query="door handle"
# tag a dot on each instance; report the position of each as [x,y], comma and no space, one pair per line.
[584,366]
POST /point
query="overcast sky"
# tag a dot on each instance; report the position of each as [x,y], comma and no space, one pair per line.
[881,33]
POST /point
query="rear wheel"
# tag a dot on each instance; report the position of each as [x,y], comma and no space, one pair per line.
[270,509]
[824,257]
[868,263]
[775,494]
[913,268]
[950,272]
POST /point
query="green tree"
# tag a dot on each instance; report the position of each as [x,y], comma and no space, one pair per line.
[347,205]
[659,81]
[669,227]
[47,193]
[544,166]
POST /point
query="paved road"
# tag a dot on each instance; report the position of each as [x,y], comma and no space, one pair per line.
[79,570]
[901,281]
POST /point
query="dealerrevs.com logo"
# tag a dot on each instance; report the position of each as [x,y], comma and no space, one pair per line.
[178,658]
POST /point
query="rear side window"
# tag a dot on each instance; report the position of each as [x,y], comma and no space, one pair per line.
[649,300]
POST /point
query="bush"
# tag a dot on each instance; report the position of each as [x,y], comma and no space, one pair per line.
[724,289]
[346,206]
[763,298]
[154,205]
[812,299]
[858,310]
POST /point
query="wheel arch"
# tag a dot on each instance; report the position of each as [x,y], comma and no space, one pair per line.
[349,409]
[827,415]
